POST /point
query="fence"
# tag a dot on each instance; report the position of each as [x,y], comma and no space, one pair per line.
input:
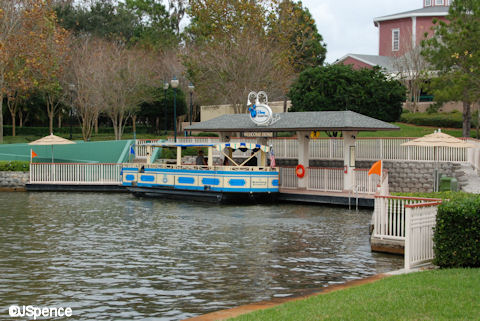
[325,179]
[419,223]
[75,173]
[366,149]
[389,215]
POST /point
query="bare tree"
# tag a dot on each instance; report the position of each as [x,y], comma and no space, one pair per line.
[412,71]
[225,72]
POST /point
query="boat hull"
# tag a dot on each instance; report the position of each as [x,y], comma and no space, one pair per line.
[202,196]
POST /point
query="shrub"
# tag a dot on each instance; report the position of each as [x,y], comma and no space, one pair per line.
[206,134]
[449,120]
[457,233]
[14,166]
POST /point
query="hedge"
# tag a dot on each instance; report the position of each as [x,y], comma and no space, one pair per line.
[445,120]
[14,166]
[457,233]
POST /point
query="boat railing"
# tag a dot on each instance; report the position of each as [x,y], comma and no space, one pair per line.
[206,168]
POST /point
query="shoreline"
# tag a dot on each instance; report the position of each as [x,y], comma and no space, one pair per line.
[251,307]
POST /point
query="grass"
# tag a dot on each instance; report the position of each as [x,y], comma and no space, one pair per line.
[406,130]
[431,295]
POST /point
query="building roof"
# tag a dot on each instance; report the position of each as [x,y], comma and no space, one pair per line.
[296,121]
[388,63]
[435,11]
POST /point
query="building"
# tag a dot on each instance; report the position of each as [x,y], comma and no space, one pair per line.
[400,33]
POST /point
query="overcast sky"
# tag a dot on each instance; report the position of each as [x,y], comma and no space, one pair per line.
[347,26]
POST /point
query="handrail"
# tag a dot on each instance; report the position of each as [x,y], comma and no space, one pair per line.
[408,198]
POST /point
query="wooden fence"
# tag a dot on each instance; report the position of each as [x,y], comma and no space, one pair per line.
[420,220]
[366,149]
[389,215]
[75,173]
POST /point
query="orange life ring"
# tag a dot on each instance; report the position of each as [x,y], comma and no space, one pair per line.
[300,171]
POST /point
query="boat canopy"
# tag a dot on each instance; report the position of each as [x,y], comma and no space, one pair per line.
[243,147]
[219,146]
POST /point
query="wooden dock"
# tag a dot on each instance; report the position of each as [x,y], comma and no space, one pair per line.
[329,198]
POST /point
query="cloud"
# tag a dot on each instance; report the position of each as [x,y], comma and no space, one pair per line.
[347,26]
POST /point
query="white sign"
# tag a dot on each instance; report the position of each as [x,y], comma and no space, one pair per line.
[258,134]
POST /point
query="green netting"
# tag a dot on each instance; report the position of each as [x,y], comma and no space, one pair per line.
[115,151]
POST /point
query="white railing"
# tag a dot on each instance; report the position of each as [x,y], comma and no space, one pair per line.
[325,179]
[141,147]
[365,183]
[288,177]
[420,220]
[389,215]
[366,149]
[75,173]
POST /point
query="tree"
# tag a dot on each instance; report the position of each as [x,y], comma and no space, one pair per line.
[300,45]
[339,87]
[46,63]
[454,54]
[228,52]
[10,22]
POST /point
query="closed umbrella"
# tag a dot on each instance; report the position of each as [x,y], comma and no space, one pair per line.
[51,140]
[435,140]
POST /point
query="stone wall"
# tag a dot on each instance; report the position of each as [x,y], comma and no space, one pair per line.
[13,180]
[402,176]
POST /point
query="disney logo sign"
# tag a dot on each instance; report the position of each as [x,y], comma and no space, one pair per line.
[260,113]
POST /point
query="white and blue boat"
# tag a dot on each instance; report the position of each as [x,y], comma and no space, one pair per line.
[208,181]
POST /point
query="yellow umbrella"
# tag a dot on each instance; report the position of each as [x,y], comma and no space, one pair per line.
[438,139]
[435,140]
[51,140]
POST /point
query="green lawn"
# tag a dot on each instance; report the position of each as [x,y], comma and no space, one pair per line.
[406,130]
[451,294]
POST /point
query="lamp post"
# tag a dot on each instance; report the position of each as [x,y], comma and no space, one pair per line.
[165,87]
[71,87]
[191,87]
[174,83]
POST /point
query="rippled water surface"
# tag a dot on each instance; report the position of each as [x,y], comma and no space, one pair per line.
[116,257]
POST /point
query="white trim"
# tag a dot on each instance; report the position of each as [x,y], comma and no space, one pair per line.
[393,39]
[414,32]
[439,2]
[409,15]
[427,3]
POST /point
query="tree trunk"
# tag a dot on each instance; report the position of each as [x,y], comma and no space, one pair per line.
[50,123]
[478,120]
[96,125]
[59,120]
[13,123]
[20,119]
[285,104]
[1,117]
[467,119]
[134,123]
[157,125]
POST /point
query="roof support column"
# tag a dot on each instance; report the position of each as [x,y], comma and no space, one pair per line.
[303,156]
[349,138]
[262,154]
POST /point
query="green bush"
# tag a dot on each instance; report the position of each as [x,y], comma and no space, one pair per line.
[14,166]
[206,134]
[448,120]
[457,233]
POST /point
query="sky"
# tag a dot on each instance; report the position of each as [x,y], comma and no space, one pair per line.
[347,26]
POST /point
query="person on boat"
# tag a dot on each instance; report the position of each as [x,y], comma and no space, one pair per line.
[252,161]
[225,161]
[200,159]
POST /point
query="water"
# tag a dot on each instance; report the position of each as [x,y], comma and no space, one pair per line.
[116,257]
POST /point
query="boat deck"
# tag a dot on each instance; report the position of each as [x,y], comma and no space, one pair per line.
[320,197]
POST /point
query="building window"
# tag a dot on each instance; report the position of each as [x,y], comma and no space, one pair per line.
[428,3]
[395,39]
[439,2]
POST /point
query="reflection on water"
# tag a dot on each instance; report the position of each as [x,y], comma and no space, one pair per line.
[112,256]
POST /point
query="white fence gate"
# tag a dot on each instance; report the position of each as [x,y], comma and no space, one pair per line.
[420,220]
[75,173]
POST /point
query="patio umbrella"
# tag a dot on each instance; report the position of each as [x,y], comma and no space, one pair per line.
[51,140]
[435,140]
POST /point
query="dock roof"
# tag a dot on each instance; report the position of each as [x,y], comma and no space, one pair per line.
[296,121]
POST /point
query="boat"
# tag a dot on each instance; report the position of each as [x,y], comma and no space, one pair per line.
[235,182]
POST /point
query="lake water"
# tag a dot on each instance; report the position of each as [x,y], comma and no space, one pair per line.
[116,257]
